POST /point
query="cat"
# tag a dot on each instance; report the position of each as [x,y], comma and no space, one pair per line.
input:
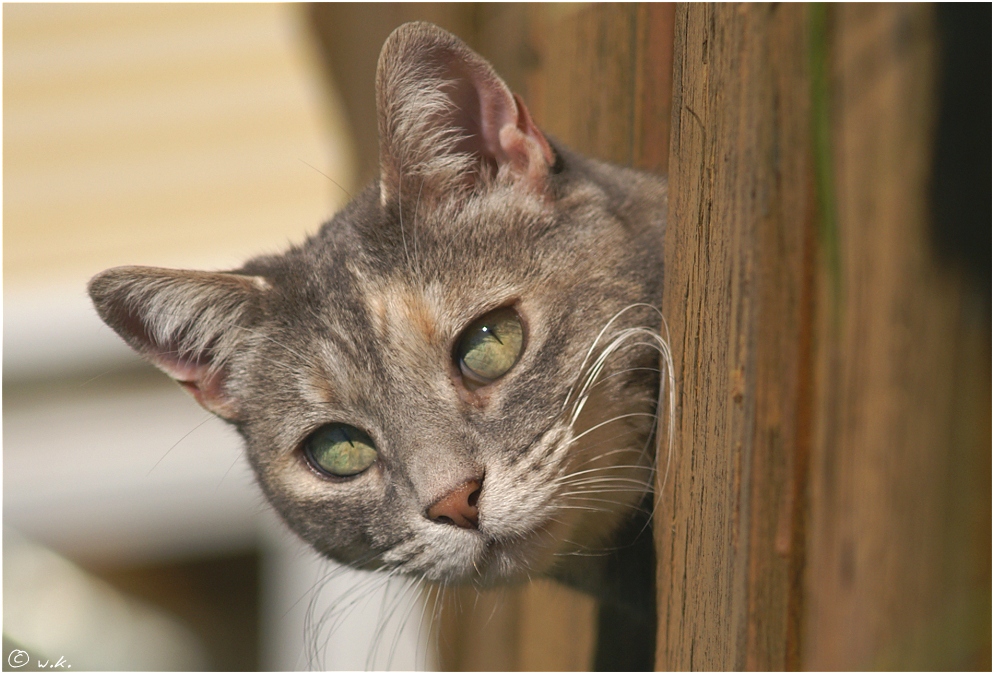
[457,377]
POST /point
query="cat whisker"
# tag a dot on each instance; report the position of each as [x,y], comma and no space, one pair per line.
[335,615]
[175,444]
[617,474]
[380,624]
[421,597]
[659,342]
[417,207]
[400,212]
[582,496]
[607,440]
[602,455]
[501,599]
[440,608]
[617,482]
[596,448]
[587,492]
[564,506]
[606,483]
[332,617]
[617,345]
[233,464]
[589,373]
[427,595]
[336,570]
[388,611]
[610,421]
[627,370]
[600,334]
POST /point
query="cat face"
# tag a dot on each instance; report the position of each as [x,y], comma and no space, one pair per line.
[456,377]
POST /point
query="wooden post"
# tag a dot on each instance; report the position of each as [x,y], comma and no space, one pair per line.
[828,501]
[898,570]
[738,300]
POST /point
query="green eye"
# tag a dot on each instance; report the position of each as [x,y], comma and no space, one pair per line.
[490,346]
[340,450]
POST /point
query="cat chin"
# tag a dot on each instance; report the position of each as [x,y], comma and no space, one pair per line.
[492,562]
[463,557]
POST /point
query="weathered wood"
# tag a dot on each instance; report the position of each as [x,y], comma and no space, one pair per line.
[653,86]
[737,299]
[899,556]
[828,502]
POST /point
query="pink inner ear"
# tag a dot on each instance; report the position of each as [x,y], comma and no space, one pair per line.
[198,380]
[497,123]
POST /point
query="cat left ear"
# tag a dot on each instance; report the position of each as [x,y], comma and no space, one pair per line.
[186,323]
[447,120]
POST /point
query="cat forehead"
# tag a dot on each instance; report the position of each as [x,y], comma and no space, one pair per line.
[448,234]
[399,310]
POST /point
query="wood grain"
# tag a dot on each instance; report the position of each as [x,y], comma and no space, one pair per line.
[737,300]
[828,505]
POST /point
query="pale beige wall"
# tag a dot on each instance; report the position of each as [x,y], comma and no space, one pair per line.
[169,135]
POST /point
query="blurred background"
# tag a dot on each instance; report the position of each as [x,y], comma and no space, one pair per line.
[172,135]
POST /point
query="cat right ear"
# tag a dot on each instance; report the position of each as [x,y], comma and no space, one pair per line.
[446,120]
[186,323]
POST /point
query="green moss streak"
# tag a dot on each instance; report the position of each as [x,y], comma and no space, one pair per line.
[821,136]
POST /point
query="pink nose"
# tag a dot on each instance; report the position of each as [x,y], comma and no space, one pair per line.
[459,506]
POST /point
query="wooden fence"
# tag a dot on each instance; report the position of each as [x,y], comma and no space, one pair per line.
[828,502]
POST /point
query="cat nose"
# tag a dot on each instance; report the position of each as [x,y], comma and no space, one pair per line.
[459,506]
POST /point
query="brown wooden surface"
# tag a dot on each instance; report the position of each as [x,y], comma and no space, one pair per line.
[828,506]
[899,555]
[738,301]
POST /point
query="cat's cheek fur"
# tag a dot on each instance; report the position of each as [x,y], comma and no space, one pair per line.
[331,514]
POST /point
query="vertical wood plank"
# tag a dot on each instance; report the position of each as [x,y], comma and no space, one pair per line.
[901,463]
[738,299]
[828,505]
[541,626]
[585,89]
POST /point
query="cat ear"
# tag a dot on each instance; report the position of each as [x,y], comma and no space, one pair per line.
[186,323]
[446,119]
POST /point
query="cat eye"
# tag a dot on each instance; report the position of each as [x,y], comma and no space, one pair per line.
[340,450]
[490,346]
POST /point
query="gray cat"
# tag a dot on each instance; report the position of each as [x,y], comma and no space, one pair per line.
[457,377]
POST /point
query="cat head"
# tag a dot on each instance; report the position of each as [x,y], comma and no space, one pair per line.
[456,377]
